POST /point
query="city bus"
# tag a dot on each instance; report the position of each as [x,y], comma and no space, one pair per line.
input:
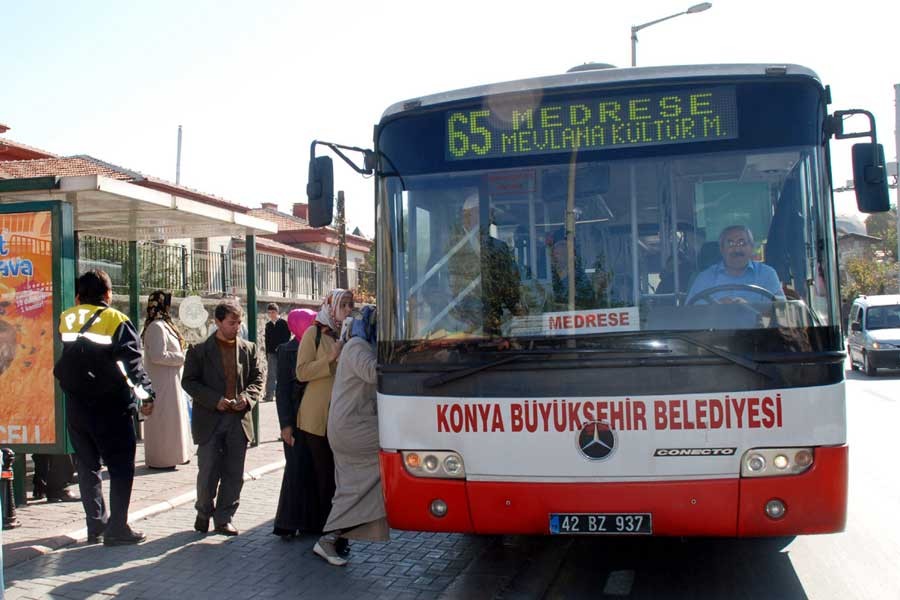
[608,302]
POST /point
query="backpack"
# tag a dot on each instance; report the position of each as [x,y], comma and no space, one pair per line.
[78,371]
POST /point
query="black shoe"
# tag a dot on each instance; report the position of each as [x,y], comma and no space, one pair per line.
[38,495]
[94,538]
[342,546]
[226,529]
[201,524]
[64,496]
[129,537]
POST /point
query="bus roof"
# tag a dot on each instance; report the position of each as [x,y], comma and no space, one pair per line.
[605,76]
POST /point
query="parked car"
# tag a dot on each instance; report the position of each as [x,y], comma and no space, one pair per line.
[874,333]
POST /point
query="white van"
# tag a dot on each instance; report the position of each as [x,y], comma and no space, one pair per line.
[874,333]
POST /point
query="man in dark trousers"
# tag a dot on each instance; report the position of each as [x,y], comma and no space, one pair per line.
[223,377]
[101,423]
[277,333]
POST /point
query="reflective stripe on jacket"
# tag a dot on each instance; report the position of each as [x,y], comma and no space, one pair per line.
[111,337]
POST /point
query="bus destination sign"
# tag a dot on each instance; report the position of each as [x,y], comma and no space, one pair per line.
[602,122]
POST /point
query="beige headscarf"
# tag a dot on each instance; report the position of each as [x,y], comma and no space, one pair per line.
[328,312]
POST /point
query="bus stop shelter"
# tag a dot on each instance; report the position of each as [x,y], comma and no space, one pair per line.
[40,219]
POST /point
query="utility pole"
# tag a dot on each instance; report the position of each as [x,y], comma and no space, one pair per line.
[897,158]
[342,242]
[178,160]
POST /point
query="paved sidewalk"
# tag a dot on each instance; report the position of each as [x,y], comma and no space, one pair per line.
[177,562]
[46,527]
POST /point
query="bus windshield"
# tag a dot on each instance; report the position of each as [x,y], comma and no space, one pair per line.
[550,247]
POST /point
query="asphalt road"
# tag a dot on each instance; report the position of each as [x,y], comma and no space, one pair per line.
[861,562]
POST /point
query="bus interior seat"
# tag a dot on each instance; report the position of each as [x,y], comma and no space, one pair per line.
[709,255]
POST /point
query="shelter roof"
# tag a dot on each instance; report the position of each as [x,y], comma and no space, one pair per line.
[109,207]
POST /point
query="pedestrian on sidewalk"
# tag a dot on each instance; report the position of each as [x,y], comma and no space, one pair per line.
[293,516]
[52,474]
[167,441]
[317,361]
[100,421]
[224,378]
[277,333]
[357,509]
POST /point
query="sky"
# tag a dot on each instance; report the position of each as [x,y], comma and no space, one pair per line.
[253,83]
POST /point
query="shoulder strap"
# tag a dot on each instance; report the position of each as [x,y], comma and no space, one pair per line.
[91,320]
[318,336]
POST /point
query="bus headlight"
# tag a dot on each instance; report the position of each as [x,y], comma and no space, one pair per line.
[444,464]
[772,462]
[452,464]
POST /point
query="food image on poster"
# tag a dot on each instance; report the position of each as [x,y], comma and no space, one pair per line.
[27,391]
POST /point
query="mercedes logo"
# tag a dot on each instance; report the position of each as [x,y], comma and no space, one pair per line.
[596,440]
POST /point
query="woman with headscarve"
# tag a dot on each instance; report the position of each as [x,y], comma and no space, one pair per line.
[167,433]
[357,509]
[317,361]
[292,515]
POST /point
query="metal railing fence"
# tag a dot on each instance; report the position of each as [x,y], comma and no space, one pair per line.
[186,272]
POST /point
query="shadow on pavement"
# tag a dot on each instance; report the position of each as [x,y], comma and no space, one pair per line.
[187,565]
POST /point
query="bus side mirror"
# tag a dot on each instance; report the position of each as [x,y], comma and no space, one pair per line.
[320,191]
[855,327]
[870,178]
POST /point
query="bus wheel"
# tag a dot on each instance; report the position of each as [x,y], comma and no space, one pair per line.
[867,366]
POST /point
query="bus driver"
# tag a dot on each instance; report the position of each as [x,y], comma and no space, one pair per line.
[737,268]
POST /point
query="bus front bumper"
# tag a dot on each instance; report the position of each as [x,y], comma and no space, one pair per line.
[815,502]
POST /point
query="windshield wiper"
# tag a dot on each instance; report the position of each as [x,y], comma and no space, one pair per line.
[824,356]
[738,359]
[515,355]
[443,378]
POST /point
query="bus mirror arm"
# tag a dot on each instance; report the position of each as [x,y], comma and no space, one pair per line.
[320,185]
[834,125]
[869,170]
[368,156]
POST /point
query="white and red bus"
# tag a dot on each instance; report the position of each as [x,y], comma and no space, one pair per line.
[578,329]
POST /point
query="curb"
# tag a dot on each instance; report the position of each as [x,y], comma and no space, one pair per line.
[26,553]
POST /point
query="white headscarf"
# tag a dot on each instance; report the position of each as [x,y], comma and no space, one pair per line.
[328,313]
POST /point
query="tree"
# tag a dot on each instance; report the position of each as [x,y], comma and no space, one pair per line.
[884,226]
[865,276]
[365,287]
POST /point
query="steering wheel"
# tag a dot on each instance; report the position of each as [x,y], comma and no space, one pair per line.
[706,294]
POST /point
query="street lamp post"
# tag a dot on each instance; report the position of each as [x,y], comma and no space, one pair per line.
[635,28]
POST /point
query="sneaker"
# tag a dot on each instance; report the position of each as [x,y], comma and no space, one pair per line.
[325,548]
[130,536]
[342,546]
[63,496]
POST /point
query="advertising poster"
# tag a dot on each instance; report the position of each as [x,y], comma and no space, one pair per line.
[27,400]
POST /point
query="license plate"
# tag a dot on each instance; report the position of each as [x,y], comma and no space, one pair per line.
[601,523]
